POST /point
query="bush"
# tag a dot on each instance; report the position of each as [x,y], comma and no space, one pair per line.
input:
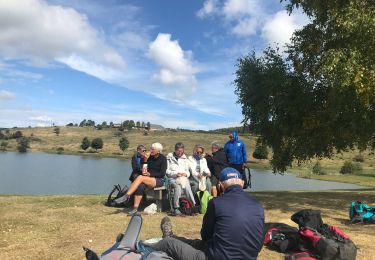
[261,151]
[123,144]
[351,168]
[3,145]
[359,158]
[23,144]
[85,143]
[60,150]
[97,143]
[317,169]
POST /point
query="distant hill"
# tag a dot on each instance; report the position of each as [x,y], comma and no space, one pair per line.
[239,129]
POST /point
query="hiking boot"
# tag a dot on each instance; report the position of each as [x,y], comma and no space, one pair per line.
[166,227]
[133,212]
[122,199]
[177,212]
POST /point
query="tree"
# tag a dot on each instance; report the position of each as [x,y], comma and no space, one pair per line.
[23,144]
[83,123]
[123,144]
[321,99]
[85,143]
[17,134]
[97,143]
[111,124]
[138,124]
[260,151]
[99,127]
[56,130]
[148,126]
[131,124]
[104,124]
[3,145]
[143,125]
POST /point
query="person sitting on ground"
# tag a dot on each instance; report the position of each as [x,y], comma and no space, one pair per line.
[200,174]
[178,174]
[153,172]
[216,163]
[232,227]
[136,161]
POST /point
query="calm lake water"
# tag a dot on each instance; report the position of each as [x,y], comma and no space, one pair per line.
[39,173]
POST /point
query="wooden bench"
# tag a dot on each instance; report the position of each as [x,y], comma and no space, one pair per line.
[159,194]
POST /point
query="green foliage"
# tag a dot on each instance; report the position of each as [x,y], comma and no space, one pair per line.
[123,144]
[97,143]
[321,98]
[85,143]
[148,126]
[260,151]
[3,145]
[60,150]
[317,169]
[17,134]
[23,144]
[351,168]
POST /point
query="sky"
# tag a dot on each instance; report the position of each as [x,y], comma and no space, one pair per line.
[168,62]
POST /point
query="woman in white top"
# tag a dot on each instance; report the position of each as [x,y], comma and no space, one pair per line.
[200,172]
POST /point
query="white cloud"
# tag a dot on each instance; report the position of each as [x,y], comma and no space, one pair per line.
[6,95]
[281,26]
[209,7]
[176,66]
[243,17]
[42,118]
[35,31]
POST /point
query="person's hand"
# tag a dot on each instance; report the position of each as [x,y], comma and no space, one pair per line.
[145,173]
[178,174]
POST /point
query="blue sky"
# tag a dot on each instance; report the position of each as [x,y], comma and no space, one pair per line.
[169,62]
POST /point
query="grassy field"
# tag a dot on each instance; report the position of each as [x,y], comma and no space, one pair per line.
[56,227]
[70,138]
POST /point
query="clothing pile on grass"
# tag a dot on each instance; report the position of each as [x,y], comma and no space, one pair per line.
[361,213]
[312,240]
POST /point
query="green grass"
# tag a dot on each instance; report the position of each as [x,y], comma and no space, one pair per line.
[56,227]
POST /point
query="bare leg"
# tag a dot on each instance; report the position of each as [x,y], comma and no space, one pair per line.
[149,181]
[137,201]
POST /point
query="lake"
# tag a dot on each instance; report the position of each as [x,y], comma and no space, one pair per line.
[40,173]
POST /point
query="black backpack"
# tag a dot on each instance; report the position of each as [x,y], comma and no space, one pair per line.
[116,193]
[282,238]
[187,207]
[328,242]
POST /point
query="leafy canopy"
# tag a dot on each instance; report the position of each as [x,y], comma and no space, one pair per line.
[321,98]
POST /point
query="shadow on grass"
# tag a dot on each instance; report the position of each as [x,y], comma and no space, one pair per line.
[337,202]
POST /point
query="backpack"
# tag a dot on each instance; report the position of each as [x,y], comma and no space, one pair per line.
[204,197]
[282,238]
[127,247]
[187,207]
[116,193]
[360,213]
[328,242]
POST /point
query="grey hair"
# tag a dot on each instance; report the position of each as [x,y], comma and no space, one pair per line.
[179,145]
[216,144]
[231,182]
[158,146]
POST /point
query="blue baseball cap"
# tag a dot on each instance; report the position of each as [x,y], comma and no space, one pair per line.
[229,173]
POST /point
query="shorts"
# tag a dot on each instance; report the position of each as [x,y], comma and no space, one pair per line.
[159,182]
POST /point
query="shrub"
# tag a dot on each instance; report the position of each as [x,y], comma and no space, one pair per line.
[123,144]
[351,168]
[60,150]
[97,143]
[3,145]
[359,158]
[260,151]
[23,144]
[317,169]
[85,143]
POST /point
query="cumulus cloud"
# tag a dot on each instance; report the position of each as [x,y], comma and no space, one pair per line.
[6,95]
[42,118]
[242,16]
[176,66]
[281,26]
[36,31]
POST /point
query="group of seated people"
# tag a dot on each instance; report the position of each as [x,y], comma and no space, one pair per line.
[188,174]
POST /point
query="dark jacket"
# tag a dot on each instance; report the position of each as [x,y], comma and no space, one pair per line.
[235,150]
[157,166]
[136,167]
[233,226]
[217,162]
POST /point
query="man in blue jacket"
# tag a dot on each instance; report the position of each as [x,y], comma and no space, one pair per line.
[236,154]
[232,227]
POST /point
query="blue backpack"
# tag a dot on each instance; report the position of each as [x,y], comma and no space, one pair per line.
[360,213]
